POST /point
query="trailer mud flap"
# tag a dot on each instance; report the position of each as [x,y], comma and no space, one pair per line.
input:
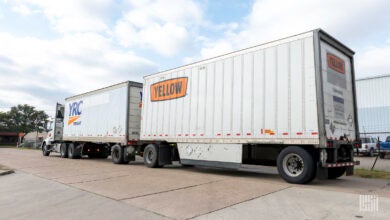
[164,155]
[349,171]
[322,172]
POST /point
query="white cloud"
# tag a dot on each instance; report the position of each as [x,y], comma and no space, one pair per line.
[22,9]
[349,21]
[373,61]
[42,72]
[70,15]
[271,19]
[166,28]
[97,39]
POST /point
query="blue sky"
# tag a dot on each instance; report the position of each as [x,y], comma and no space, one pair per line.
[53,49]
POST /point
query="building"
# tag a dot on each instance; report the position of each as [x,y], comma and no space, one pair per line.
[9,138]
[373,101]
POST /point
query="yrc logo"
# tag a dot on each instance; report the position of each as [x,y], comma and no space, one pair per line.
[75,112]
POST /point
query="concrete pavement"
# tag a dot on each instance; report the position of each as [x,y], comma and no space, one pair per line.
[25,196]
[181,193]
[300,203]
[5,170]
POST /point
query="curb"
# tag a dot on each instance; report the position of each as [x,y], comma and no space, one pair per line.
[5,172]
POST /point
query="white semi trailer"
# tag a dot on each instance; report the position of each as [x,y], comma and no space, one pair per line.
[98,124]
[289,103]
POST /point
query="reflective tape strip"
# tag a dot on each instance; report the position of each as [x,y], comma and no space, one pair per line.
[345,164]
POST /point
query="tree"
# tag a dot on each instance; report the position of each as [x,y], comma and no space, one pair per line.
[23,118]
[3,121]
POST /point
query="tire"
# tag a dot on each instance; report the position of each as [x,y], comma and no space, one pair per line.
[382,155]
[72,153]
[296,165]
[371,153]
[64,150]
[117,154]
[151,156]
[336,172]
[45,152]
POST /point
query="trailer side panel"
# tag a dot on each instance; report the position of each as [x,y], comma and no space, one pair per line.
[264,94]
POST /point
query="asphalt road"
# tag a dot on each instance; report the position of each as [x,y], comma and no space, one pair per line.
[57,188]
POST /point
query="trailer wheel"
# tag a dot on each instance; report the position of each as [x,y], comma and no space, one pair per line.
[382,155]
[45,151]
[295,165]
[336,172]
[64,150]
[117,154]
[151,156]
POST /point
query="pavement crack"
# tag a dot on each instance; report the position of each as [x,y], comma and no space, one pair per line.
[171,190]
[270,193]
[95,180]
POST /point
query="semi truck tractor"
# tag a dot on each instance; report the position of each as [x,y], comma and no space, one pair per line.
[289,103]
[98,124]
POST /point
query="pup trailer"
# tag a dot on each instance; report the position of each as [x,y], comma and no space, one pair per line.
[289,103]
[98,124]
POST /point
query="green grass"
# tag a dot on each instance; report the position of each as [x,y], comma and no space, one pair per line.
[374,174]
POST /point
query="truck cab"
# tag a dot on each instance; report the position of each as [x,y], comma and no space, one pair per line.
[55,131]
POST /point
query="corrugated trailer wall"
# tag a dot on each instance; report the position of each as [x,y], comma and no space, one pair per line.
[261,94]
[96,118]
[100,115]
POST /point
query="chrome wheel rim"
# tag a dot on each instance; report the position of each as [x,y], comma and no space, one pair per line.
[149,156]
[293,165]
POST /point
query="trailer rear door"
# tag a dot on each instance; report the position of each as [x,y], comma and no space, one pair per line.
[339,108]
